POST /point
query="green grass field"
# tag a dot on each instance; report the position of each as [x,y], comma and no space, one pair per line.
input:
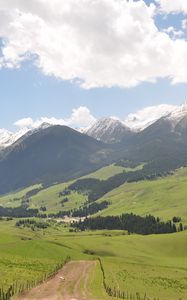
[155,265]
[165,197]
[14,199]
[48,197]
[109,171]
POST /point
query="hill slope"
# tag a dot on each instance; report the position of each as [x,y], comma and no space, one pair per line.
[164,197]
[57,153]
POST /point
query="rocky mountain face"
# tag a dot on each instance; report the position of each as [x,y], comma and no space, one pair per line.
[109,130]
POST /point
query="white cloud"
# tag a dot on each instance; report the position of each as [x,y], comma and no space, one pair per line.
[174,33]
[25,122]
[173,6]
[184,24]
[80,117]
[97,43]
[147,116]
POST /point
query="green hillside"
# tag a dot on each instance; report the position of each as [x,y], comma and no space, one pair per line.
[49,197]
[109,171]
[165,197]
[155,265]
[14,199]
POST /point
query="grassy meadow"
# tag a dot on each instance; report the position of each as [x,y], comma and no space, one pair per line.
[49,197]
[164,197]
[155,265]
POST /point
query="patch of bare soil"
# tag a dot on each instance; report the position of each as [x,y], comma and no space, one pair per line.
[70,283]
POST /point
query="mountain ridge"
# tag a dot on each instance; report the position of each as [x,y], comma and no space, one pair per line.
[53,154]
[109,130]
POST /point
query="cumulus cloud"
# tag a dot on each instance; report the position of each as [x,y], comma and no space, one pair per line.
[80,117]
[173,32]
[173,6]
[25,122]
[147,116]
[100,43]
[184,24]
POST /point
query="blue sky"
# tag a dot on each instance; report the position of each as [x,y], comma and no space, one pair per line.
[27,91]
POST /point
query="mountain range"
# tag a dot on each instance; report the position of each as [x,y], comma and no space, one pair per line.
[50,154]
[109,130]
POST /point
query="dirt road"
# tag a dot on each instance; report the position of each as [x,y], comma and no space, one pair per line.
[71,283]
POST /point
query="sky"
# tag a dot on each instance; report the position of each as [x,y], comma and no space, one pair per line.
[72,62]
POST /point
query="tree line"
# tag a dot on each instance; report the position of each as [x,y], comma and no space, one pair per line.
[18,212]
[130,222]
[90,209]
[30,223]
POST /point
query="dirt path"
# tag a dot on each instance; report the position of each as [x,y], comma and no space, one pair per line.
[73,287]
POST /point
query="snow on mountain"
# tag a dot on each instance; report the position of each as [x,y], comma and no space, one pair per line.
[145,117]
[7,138]
[178,115]
[111,130]
[108,130]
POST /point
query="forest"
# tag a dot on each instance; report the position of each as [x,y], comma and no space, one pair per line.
[129,222]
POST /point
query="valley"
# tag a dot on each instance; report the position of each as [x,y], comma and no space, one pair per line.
[93,150]
[109,216]
[156,197]
[150,266]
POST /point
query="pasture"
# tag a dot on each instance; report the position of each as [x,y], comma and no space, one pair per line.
[154,265]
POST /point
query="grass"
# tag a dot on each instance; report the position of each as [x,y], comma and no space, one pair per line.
[105,172]
[154,264]
[165,197]
[14,199]
[109,171]
[49,197]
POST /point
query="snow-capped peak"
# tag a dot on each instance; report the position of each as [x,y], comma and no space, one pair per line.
[7,138]
[107,130]
[145,117]
[104,124]
[178,114]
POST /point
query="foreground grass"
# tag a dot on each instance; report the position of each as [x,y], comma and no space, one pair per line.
[155,265]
